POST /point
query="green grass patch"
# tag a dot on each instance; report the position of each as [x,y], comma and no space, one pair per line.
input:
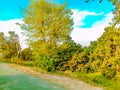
[98,80]
[18,61]
[95,79]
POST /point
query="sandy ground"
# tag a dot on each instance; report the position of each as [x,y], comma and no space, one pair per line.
[66,82]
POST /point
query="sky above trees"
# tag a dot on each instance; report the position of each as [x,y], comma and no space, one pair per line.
[89,18]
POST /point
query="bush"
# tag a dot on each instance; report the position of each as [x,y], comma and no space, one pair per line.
[109,73]
[26,55]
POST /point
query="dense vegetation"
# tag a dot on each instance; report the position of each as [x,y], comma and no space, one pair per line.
[9,45]
[48,27]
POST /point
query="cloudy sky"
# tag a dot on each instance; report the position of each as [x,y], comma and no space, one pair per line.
[89,18]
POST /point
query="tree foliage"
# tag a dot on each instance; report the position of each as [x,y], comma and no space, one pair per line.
[104,57]
[26,54]
[9,45]
[48,25]
[47,22]
[66,52]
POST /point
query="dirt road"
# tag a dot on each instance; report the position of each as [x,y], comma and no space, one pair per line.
[13,79]
[66,82]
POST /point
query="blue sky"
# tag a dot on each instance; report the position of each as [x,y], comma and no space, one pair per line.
[87,16]
[11,9]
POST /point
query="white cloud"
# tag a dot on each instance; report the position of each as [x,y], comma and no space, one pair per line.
[10,25]
[79,16]
[81,35]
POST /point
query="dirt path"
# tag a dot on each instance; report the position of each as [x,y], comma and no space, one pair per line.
[14,79]
[66,82]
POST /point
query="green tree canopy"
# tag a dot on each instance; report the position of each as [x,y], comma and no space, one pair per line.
[48,25]
[47,22]
[9,45]
[26,54]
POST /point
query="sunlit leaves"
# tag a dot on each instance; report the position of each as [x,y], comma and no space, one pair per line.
[9,45]
[48,21]
[48,25]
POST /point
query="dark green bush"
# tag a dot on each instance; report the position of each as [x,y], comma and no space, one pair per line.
[26,55]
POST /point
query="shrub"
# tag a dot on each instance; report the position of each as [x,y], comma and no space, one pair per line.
[26,54]
[109,73]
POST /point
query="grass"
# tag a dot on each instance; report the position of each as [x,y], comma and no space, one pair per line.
[95,79]
[98,80]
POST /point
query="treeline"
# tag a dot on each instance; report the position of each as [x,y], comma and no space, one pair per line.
[102,55]
[11,50]
[51,48]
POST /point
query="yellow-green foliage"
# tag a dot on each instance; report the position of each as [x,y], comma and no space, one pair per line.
[47,21]
[9,45]
[48,25]
[106,55]
[26,54]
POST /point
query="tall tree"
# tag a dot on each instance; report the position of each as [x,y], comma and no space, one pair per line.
[47,22]
[14,40]
[106,55]
[47,25]
[100,1]
[116,12]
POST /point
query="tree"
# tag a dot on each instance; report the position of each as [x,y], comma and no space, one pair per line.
[93,0]
[100,1]
[47,22]
[2,40]
[116,12]
[13,39]
[26,54]
[105,56]
[66,52]
[9,45]
[48,25]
